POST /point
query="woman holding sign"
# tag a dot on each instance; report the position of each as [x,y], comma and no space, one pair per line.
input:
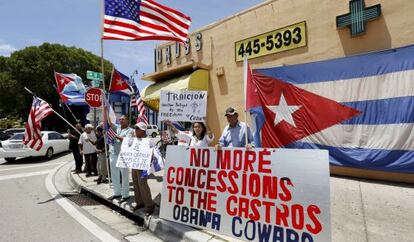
[201,137]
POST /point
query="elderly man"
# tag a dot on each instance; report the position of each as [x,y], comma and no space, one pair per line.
[121,188]
[86,148]
[234,133]
[143,198]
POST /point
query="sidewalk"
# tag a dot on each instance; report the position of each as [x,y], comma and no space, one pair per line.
[165,230]
[361,210]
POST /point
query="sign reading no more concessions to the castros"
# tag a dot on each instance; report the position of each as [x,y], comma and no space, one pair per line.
[252,195]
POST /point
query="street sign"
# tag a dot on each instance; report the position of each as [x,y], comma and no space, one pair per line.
[92,75]
[93,97]
[95,83]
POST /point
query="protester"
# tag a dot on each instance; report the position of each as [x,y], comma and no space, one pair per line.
[100,149]
[234,133]
[86,147]
[143,198]
[73,136]
[120,188]
[200,135]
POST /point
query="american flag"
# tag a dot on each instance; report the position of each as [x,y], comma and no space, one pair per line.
[32,136]
[110,134]
[133,101]
[143,20]
[142,115]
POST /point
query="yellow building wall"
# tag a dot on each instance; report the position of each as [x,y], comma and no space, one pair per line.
[394,28]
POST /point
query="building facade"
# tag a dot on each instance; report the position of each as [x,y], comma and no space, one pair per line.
[276,33]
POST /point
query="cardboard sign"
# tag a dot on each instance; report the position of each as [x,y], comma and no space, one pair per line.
[135,154]
[185,106]
[256,195]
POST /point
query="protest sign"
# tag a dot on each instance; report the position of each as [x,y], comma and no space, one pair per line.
[185,106]
[252,195]
[135,154]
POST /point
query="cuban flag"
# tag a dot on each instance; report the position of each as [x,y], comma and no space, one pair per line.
[70,88]
[359,108]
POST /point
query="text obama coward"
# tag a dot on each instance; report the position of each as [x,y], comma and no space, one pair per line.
[255,201]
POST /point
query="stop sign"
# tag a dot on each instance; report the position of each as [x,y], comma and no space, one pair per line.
[93,97]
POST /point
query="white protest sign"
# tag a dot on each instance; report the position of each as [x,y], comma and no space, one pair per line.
[253,195]
[135,154]
[185,106]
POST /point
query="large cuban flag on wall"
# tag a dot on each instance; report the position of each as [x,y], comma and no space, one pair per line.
[360,108]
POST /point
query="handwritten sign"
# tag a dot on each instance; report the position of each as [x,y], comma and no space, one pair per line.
[185,106]
[135,154]
[252,195]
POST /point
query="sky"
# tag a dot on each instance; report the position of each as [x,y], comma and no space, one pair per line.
[77,23]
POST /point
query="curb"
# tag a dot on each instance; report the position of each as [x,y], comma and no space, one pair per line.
[163,229]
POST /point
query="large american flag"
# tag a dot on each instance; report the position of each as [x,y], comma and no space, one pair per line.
[143,20]
[32,136]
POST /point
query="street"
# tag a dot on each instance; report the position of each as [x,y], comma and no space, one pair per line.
[32,211]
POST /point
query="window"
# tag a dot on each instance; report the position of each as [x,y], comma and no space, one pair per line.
[55,136]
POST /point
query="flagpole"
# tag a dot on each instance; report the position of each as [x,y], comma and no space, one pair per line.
[110,84]
[73,115]
[64,112]
[60,116]
[245,97]
[106,148]
[104,90]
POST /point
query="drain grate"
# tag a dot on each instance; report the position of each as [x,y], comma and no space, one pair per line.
[81,200]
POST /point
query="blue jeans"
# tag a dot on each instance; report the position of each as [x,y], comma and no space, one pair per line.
[116,179]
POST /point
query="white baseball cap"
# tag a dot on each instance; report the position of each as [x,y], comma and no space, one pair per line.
[89,126]
[141,126]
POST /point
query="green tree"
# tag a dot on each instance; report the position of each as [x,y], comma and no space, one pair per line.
[33,67]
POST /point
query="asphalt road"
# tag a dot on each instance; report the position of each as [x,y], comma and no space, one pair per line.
[27,210]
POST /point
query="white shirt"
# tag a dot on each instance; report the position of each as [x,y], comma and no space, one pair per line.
[87,147]
[194,141]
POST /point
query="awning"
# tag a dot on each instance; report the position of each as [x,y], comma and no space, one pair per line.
[196,81]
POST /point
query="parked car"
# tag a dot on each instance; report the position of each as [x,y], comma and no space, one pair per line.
[152,130]
[4,135]
[12,131]
[53,143]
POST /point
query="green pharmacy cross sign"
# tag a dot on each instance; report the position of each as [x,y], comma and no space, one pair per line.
[357,18]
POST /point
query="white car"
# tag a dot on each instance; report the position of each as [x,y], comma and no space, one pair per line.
[152,130]
[53,143]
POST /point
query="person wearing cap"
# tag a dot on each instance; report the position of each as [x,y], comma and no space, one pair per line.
[234,133]
[120,188]
[143,197]
[200,136]
[88,150]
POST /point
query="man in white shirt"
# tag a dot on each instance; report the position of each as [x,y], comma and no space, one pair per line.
[87,149]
